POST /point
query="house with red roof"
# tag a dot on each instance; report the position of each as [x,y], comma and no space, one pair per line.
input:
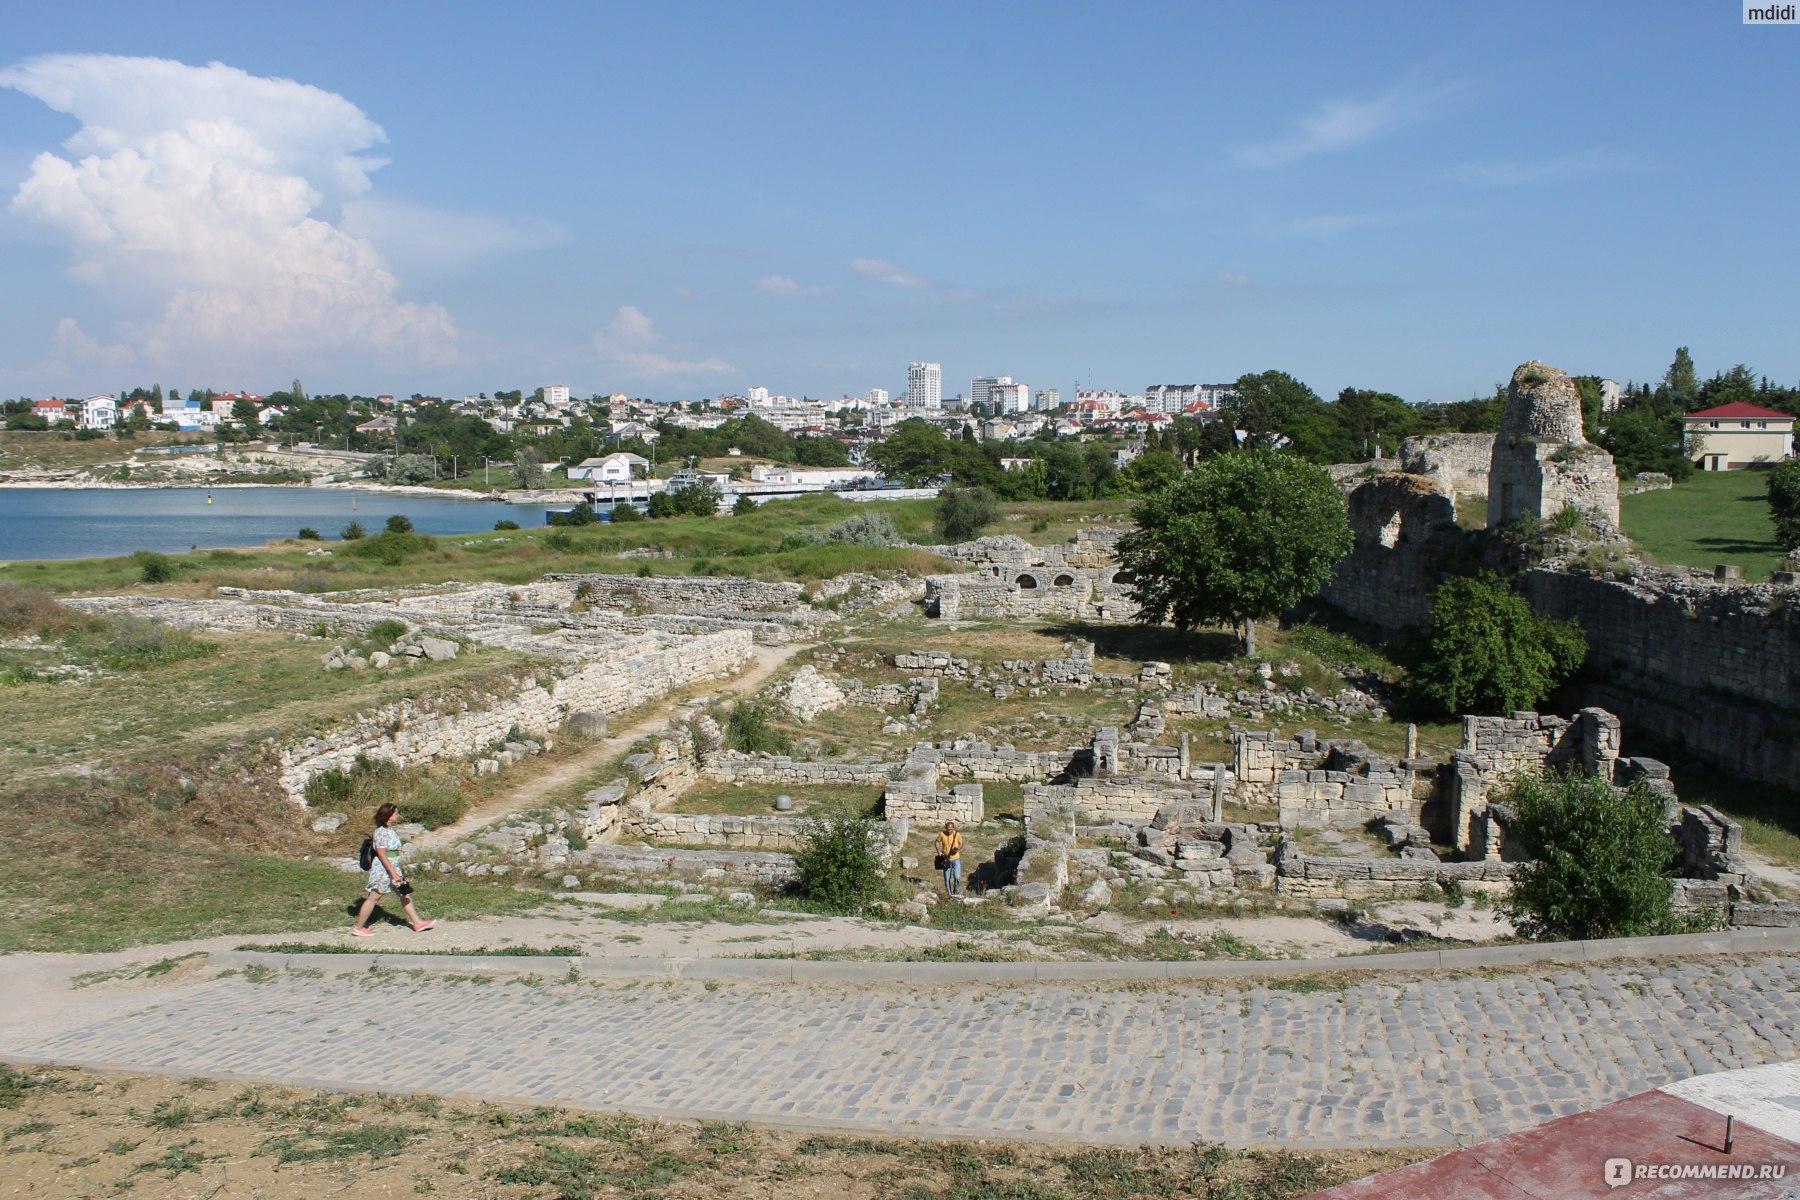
[1736,435]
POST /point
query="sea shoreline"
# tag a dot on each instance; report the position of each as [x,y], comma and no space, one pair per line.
[548,496]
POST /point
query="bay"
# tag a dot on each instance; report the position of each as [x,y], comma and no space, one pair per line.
[102,522]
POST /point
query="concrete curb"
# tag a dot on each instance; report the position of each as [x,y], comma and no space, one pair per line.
[779,970]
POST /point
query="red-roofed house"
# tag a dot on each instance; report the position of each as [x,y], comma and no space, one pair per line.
[52,410]
[1738,435]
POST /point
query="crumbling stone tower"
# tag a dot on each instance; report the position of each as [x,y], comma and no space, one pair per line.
[1542,462]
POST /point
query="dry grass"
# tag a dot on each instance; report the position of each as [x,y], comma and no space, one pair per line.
[67,1132]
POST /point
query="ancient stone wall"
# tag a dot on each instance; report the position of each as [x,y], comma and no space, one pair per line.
[1013,579]
[1405,540]
[1318,783]
[413,732]
[1457,463]
[1711,667]
[1109,801]
[1308,876]
[733,766]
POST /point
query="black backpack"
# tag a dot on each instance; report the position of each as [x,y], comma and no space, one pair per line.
[365,855]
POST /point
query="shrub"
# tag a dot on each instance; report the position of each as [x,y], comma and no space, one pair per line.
[837,865]
[153,567]
[1598,856]
[748,729]
[644,571]
[391,549]
[621,514]
[33,610]
[399,524]
[354,531]
[1489,653]
[744,506]
[661,505]
[1784,503]
[133,644]
[309,534]
[386,633]
[962,513]
[503,523]
[559,540]
[581,514]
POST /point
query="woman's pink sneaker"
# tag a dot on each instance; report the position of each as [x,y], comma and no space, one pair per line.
[360,931]
[422,926]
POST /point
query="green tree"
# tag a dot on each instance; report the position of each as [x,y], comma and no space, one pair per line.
[398,523]
[699,499]
[748,729]
[744,506]
[244,413]
[352,532]
[914,452]
[1149,472]
[1241,536]
[1679,379]
[529,468]
[1489,653]
[1266,405]
[1784,503]
[1598,857]
[820,452]
[962,513]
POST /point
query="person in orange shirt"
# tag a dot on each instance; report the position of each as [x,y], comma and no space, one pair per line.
[948,847]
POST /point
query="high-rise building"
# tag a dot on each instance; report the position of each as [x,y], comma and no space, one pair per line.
[1047,399]
[925,385]
[876,396]
[999,394]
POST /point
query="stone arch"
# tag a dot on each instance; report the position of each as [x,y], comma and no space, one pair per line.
[1122,579]
[1027,582]
[1063,581]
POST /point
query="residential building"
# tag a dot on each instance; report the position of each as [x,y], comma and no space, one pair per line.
[382,426]
[1183,397]
[52,409]
[757,395]
[925,386]
[1047,399]
[1738,435]
[614,468]
[99,412]
[556,393]
[999,394]
[624,431]
[876,396]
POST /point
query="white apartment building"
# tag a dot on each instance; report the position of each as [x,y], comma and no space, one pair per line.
[1002,393]
[876,396]
[757,395]
[1180,397]
[99,412]
[925,385]
[1047,399]
[556,393]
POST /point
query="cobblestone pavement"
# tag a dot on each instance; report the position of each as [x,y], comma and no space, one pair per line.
[1433,1060]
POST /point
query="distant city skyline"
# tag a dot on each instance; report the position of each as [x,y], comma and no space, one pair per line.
[228,196]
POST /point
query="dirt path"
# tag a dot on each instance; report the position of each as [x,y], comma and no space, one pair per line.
[534,789]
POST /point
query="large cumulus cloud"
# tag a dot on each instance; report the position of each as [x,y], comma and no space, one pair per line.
[198,198]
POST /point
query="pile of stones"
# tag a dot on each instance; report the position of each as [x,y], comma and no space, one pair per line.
[400,654]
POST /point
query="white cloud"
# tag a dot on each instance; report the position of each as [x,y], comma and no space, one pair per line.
[781,285]
[1530,172]
[627,343]
[1341,124]
[188,198]
[879,270]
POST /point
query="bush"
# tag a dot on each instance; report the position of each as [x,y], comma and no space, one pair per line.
[962,513]
[309,534]
[1784,503]
[352,532]
[559,540]
[1489,653]
[744,506]
[697,500]
[581,514]
[33,610]
[503,523]
[748,729]
[1598,860]
[661,505]
[621,514]
[385,633]
[391,549]
[837,865]
[153,567]
[399,524]
[131,643]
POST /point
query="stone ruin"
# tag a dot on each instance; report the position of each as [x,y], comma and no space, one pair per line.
[1542,461]
[1015,580]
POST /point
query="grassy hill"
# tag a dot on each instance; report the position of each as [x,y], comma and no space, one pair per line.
[1715,517]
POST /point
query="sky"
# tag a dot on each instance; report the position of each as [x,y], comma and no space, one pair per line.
[688,199]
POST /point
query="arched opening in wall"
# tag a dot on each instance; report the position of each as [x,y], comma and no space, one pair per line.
[1063,581]
[1027,582]
[1123,579]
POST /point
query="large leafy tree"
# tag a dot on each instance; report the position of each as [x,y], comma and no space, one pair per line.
[1489,653]
[1597,860]
[1268,405]
[1239,537]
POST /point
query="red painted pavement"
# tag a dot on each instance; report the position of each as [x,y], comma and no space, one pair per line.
[1567,1158]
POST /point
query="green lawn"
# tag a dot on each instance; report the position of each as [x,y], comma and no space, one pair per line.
[1715,517]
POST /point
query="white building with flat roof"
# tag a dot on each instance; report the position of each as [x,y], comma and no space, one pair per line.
[925,385]
[876,396]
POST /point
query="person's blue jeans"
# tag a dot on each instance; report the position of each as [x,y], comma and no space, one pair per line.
[953,877]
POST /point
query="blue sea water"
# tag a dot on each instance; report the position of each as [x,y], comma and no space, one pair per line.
[100,522]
